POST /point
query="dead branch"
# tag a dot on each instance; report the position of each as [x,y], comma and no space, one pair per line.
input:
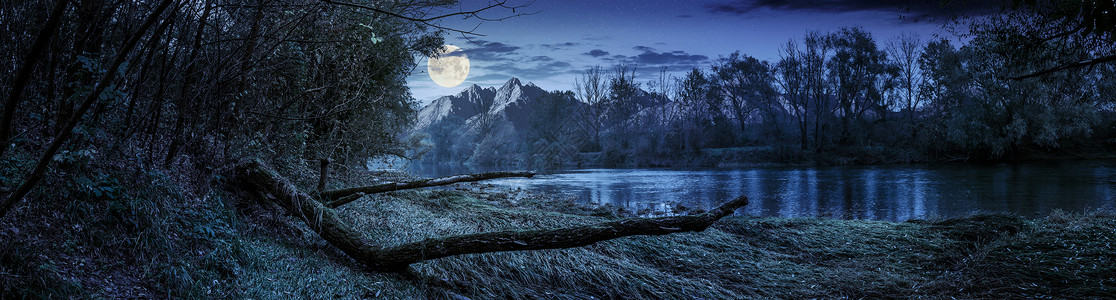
[1066,66]
[430,21]
[336,198]
[256,178]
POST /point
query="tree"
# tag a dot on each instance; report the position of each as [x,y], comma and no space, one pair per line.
[1006,114]
[591,89]
[1088,24]
[817,85]
[623,91]
[625,99]
[944,85]
[700,106]
[449,139]
[552,129]
[905,51]
[1062,20]
[665,131]
[791,77]
[747,84]
[664,87]
[862,76]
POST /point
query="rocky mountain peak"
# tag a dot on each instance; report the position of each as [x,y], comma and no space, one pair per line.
[512,101]
[511,83]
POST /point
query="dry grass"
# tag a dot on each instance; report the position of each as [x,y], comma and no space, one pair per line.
[740,257]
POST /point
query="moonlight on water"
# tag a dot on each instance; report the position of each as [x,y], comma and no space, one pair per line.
[450,67]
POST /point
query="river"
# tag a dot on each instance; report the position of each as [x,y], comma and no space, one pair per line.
[885,192]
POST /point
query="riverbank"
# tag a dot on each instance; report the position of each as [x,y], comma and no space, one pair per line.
[788,156]
[865,155]
[260,252]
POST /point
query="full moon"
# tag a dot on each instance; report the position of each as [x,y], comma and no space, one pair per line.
[450,68]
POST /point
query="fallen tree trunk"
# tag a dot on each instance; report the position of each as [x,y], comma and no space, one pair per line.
[257,178]
[336,198]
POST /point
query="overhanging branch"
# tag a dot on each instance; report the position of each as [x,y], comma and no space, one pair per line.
[429,21]
[1073,65]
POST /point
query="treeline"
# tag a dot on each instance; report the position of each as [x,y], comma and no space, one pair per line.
[1029,80]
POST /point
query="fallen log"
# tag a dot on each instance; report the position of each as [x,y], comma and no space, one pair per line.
[336,198]
[257,178]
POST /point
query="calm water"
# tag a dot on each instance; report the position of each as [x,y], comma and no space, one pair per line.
[894,192]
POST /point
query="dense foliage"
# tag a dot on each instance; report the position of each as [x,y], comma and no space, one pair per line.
[153,84]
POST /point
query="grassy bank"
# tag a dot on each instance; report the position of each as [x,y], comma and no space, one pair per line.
[221,246]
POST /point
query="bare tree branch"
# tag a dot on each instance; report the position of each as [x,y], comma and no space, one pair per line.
[430,20]
[1084,63]
[337,198]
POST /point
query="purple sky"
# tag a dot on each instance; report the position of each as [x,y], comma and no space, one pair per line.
[566,37]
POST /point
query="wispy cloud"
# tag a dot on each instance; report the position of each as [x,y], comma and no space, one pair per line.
[904,7]
[651,58]
[537,70]
[559,46]
[489,51]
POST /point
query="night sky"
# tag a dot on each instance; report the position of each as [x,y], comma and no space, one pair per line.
[564,38]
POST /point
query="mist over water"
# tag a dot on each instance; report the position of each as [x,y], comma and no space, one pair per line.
[889,192]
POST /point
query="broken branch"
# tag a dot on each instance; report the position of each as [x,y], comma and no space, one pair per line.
[569,237]
[336,198]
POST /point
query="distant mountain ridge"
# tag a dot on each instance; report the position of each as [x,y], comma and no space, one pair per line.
[476,105]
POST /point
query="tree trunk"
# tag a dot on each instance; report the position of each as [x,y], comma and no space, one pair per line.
[254,177]
[334,198]
[323,175]
[186,105]
[23,76]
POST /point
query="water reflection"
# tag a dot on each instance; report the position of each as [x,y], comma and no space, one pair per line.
[894,193]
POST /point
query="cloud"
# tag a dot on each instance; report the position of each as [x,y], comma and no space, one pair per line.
[557,64]
[650,58]
[908,7]
[537,67]
[596,53]
[745,6]
[559,45]
[494,77]
[486,50]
